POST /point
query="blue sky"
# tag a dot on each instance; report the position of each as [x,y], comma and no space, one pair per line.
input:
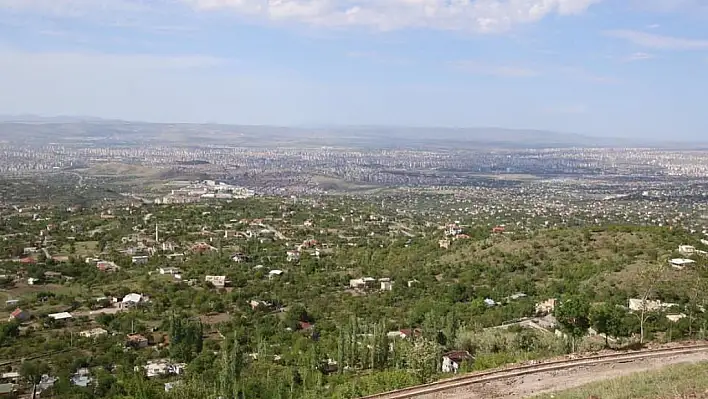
[629,68]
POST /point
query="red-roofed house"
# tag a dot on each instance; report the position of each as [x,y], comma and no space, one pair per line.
[19,315]
[305,325]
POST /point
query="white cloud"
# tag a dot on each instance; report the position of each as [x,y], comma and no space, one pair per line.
[638,56]
[658,42]
[481,68]
[485,16]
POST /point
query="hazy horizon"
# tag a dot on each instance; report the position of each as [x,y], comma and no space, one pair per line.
[635,69]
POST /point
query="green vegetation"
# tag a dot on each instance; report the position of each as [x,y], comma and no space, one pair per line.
[313,331]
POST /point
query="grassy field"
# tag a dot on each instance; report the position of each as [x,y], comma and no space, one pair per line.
[680,381]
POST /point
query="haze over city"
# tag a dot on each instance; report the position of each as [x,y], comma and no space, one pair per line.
[633,69]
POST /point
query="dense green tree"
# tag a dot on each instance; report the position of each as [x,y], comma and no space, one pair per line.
[607,319]
[573,316]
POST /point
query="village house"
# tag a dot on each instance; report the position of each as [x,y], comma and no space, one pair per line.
[452,361]
[136,341]
[82,377]
[453,229]
[11,376]
[405,333]
[239,257]
[498,229]
[386,284]
[46,382]
[362,283]
[12,303]
[255,304]
[106,266]
[60,316]
[163,367]
[172,271]
[674,318]
[275,273]
[679,264]
[445,244]
[131,300]
[93,333]
[19,315]
[546,307]
[293,256]
[686,250]
[217,281]
[637,305]
[140,259]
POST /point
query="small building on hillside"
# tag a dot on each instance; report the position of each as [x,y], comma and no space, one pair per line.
[546,307]
[452,361]
[82,377]
[275,273]
[60,316]
[293,256]
[686,250]
[637,305]
[169,270]
[361,283]
[217,281]
[131,300]
[136,341]
[163,367]
[106,266]
[19,315]
[140,259]
[93,333]
[679,264]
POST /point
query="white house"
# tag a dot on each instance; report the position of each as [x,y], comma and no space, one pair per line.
[93,333]
[648,305]
[162,367]
[216,281]
[452,361]
[386,284]
[364,282]
[293,256]
[686,249]
[675,317]
[275,273]
[131,300]
[169,270]
[60,316]
[679,264]
[546,307]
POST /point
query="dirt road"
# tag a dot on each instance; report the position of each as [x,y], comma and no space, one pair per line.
[534,384]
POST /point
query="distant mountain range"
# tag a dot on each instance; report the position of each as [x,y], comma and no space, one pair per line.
[30,129]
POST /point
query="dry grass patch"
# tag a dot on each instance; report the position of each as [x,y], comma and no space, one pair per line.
[680,381]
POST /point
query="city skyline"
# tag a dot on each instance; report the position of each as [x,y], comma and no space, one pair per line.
[592,67]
